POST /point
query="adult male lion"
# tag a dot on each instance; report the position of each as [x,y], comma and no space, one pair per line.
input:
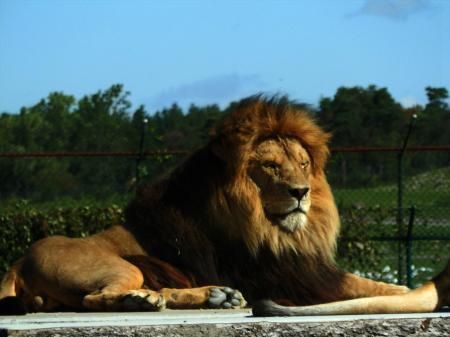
[250,210]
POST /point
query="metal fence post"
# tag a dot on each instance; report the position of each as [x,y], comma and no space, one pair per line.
[400,200]
[409,246]
[141,150]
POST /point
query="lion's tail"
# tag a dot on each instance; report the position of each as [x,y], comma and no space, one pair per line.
[10,288]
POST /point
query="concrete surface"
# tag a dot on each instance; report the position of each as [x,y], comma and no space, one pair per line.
[221,323]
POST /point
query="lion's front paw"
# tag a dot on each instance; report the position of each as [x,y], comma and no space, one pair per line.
[143,300]
[226,298]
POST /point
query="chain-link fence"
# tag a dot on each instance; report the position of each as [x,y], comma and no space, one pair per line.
[396,222]
[386,235]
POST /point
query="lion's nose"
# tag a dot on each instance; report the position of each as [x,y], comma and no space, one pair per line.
[298,193]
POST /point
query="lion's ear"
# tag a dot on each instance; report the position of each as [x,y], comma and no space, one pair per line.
[215,142]
[217,146]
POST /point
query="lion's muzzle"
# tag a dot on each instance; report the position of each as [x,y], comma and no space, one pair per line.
[298,193]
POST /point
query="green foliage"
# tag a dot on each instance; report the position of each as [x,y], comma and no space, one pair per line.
[103,121]
[362,117]
[434,120]
[356,251]
[22,224]
[367,246]
[370,117]
[428,191]
[437,97]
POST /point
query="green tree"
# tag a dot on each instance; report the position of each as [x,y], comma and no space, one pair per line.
[437,97]
[361,117]
[433,124]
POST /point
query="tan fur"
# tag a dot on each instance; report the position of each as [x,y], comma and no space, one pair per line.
[57,271]
[432,296]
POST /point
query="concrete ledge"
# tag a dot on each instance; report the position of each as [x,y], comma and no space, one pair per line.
[221,323]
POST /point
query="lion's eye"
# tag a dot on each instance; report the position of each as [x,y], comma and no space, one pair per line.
[270,165]
[304,164]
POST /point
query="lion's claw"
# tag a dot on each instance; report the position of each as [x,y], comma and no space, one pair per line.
[226,298]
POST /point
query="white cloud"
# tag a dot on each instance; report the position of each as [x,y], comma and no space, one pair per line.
[217,89]
[393,9]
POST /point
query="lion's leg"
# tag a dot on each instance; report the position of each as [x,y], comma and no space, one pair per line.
[179,291]
[168,287]
[78,273]
[424,299]
[203,297]
[10,284]
[353,286]
[429,297]
[113,299]
[110,284]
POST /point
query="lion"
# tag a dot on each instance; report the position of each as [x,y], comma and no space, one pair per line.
[246,217]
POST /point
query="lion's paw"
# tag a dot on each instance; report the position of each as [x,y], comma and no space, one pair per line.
[143,300]
[226,298]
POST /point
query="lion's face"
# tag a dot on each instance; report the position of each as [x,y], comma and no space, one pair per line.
[280,168]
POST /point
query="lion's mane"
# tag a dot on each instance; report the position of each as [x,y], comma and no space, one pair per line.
[238,203]
[207,219]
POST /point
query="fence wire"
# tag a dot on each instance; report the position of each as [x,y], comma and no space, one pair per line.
[404,241]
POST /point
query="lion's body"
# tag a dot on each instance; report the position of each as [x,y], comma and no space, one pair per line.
[251,210]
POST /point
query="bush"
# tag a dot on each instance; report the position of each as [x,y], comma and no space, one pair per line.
[357,252]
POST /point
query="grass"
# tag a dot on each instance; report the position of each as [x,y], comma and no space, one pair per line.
[429,191]
[383,197]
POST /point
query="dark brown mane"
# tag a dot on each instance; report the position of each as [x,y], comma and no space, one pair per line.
[256,118]
[250,121]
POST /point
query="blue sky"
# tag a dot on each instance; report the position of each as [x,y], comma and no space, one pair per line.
[217,51]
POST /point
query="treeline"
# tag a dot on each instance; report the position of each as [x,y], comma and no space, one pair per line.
[370,117]
[106,121]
